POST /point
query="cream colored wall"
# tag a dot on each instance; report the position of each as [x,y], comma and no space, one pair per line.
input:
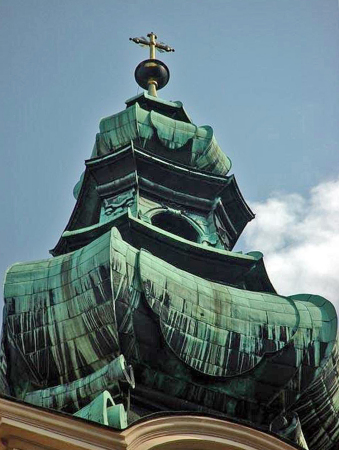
[23,427]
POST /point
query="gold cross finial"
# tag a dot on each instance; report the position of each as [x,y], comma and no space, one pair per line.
[152,44]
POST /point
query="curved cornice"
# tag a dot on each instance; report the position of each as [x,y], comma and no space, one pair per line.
[26,427]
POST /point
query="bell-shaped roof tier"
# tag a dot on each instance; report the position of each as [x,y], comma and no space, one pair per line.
[164,129]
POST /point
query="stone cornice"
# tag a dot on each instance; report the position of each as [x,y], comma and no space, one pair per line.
[27,428]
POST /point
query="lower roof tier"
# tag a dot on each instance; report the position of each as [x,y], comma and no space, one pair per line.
[249,355]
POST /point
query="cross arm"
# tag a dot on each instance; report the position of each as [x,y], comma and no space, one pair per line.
[141,41]
[164,47]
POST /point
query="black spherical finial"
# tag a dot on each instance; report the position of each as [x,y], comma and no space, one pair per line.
[152,72]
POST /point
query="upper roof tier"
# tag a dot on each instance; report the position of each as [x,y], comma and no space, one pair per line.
[163,128]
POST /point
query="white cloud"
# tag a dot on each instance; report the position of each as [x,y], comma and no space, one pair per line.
[299,237]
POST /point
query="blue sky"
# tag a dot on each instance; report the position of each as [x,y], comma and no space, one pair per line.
[263,73]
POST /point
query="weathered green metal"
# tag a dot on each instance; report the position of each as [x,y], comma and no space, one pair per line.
[71,396]
[141,125]
[133,177]
[60,317]
[223,346]
[145,271]
[103,410]
[173,109]
[137,123]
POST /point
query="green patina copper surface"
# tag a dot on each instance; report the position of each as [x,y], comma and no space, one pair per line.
[71,396]
[74,314]
[103,410]
[137,123]
[174,109]
[60,316]
[133,178]
[145,273]
[140,125]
